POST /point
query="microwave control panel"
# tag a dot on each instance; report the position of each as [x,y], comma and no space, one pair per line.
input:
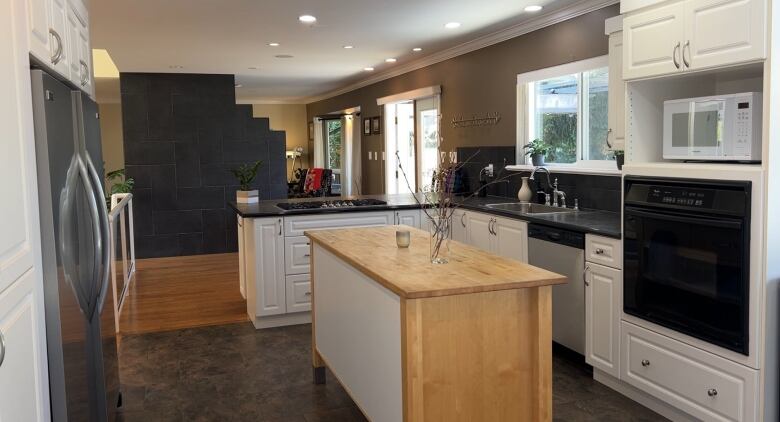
[684,196]
[742,129]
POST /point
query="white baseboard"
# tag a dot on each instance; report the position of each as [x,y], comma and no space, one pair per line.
[642,398]
[281,320]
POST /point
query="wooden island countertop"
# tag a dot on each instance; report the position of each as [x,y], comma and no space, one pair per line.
[409,273]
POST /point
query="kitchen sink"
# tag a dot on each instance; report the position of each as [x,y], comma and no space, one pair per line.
[528,208]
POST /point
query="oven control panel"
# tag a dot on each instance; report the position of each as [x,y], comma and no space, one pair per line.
[688,197]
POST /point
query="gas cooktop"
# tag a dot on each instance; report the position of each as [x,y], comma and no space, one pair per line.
[347,203]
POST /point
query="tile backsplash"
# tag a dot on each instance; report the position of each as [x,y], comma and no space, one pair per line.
[592,191]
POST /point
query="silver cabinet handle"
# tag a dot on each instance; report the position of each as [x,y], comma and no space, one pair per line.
[280,227]
[585,274]
[307,294]
[645,363]
[674,55]
[490,226]
[85,73]
[686,46]
[462,216]
[306,255]
[712,392]
[599,251]
[57,57]
[2,348]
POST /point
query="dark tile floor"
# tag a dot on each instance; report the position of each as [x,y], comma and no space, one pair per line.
[236,373]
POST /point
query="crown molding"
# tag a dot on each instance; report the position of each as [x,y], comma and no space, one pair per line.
[577,9]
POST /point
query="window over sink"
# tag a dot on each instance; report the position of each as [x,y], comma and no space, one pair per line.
[566,107]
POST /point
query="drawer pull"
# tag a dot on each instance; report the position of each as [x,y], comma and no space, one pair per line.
[599,251]
[306,255]
[307,294]
[645,363]
[712,392]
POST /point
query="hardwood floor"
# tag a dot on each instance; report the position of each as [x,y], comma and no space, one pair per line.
[183,292]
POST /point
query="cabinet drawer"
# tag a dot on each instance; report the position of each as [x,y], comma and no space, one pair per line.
[295,226]
[704,385]
[604,250]
[298,293]
[296,255]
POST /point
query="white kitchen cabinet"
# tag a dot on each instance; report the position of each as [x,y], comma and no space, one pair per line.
[60,53]
[459,226]
[298,293]
[706,386]
[22,346]
[296,255]
[38,29]
[480,234]
[295,226]
[510,239]
[603,293]
[80,72]
[653,41]
[501,236]
[409,218]
[693,35]
[616,114]
[241,258]
[723,32]
[265,267]
[603,302]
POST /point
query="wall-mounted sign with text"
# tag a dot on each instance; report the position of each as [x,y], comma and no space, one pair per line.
[489,119]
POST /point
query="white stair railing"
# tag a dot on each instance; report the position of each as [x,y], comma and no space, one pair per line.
[120,219]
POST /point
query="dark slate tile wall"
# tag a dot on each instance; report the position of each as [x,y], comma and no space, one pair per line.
[182,135]
[593,191]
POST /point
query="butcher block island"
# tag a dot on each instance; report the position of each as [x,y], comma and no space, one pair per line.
[413,341]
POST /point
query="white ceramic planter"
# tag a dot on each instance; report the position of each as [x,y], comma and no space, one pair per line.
[247,196]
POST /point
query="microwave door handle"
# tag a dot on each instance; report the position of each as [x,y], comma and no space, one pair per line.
[713,222]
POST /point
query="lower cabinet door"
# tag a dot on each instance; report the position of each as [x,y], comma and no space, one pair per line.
[706,386]
[603,293]
[479,233]
[409,218]
[298,293]
[265,282]
[22,353]
[510,239]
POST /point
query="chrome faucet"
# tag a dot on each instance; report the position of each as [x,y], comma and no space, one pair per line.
[549,185]
[558,194]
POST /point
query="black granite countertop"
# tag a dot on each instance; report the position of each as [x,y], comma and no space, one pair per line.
[586,221]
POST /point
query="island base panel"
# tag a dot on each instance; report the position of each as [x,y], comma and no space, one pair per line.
[483,356]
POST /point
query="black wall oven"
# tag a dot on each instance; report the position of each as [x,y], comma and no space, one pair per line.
[686,257]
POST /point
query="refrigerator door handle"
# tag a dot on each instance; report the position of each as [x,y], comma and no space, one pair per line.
[104,233]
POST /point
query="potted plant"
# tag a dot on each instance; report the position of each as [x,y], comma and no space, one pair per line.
[620,157]
[245,174]
[118,184]
[537,149]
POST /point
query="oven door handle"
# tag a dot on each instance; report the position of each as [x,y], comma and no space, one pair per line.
[699,220]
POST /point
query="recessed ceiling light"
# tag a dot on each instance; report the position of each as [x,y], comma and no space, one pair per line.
[176,66]
[273,44]
[415,49]
[533,8]
[368,69]
[390,60]
[307,19]
[349,47]
[452,25]
[283,56]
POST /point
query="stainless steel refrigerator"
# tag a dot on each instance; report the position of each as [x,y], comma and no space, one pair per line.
[80,331]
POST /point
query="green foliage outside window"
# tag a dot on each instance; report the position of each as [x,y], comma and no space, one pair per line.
[334,143]
[559,130]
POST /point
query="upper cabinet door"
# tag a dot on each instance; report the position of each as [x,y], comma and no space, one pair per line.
[58,25]
[38,29]
[724,32]
[616,114]
[653,42]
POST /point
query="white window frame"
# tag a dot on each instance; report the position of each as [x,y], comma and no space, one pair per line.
[525,120]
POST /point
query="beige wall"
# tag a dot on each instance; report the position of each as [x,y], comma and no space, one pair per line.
[111,136]
[291,118]
[482,81]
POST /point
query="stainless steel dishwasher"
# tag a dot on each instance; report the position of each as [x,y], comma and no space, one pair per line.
[562,251]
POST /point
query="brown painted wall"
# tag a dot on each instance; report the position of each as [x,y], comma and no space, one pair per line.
[478,82]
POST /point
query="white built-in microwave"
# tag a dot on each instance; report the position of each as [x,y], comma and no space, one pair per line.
[717,128]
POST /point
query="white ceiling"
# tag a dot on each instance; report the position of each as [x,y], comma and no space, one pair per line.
[230,36]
